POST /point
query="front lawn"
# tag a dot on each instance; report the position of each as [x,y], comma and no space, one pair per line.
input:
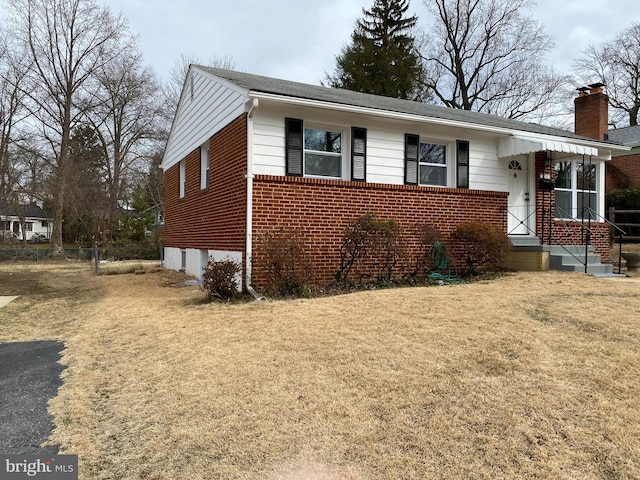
[532,375]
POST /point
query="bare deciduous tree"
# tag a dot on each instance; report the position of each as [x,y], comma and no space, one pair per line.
[16,183]
[67,41]
[129,123]
[616,64]
[487,56]
[11,112]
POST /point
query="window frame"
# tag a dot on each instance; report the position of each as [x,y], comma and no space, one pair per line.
[295,149]
[205,166]
[445,165]
[342,155]
[413,162]
[183,178]
[576,192]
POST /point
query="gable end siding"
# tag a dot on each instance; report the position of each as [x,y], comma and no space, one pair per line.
[213,106]
[215,218]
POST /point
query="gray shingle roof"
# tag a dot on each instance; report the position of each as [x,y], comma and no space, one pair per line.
[346,97]
[28,210]
[629,136]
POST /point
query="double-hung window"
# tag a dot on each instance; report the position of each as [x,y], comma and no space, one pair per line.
[426,163]
[576,190]
[433,164]
[323,152]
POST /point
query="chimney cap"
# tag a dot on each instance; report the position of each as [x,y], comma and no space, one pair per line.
[596,85]
[583,89]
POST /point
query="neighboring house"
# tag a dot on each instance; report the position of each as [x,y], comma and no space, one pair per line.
[624,169]
[247,154]
[38,223]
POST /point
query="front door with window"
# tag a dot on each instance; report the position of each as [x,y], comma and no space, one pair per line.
[519,215]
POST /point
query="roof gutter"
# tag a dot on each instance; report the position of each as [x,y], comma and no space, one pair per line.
[252,105]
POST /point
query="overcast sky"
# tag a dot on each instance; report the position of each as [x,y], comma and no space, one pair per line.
[298,40]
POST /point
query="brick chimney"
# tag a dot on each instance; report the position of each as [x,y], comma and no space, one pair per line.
[592,112]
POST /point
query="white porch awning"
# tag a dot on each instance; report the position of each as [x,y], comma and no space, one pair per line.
[512,146]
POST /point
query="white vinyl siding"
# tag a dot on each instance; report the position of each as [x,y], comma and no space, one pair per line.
[385,147]
[385,157]
[486,171]
[268,144]
[213,106]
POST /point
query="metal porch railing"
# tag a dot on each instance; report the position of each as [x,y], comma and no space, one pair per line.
[576,232]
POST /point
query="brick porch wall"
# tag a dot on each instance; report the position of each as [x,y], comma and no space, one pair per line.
[322,208]
[561,233]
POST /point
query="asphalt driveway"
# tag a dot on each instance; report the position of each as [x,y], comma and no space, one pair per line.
[29,378]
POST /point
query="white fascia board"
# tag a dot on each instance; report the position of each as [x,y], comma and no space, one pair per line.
[434,120]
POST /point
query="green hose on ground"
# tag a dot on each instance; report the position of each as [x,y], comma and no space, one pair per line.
[444,270]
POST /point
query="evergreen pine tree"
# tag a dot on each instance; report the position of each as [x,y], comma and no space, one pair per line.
[381,58]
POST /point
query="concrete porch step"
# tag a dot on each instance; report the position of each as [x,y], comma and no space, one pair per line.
[572,258]
[519,241]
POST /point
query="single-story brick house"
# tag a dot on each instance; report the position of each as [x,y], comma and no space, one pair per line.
[247,154]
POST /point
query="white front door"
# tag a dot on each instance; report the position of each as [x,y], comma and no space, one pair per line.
[519,210]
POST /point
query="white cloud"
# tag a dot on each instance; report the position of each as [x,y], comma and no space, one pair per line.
[299,40]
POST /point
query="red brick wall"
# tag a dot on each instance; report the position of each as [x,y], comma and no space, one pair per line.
[322,208]
[623,172]
[592,114]
[214,218]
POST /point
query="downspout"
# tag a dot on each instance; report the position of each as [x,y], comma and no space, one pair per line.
[249,226]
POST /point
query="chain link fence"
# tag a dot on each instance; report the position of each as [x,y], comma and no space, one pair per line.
[43,253]
[105,258]
[117,258]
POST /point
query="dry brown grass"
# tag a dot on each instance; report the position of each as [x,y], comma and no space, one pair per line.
[533,375]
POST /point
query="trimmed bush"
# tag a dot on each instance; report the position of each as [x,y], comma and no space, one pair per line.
[371,249]
[284,260]
[483,245]
[219,279]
